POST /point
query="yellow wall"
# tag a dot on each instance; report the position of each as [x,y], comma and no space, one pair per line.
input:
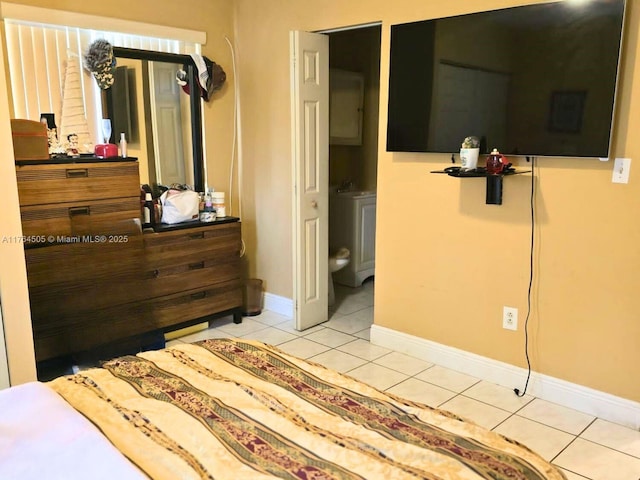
[446,263]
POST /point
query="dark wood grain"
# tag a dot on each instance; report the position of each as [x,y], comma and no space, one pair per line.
[60,183]
[106,281]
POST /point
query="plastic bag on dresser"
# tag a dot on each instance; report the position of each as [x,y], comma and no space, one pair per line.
[179,206]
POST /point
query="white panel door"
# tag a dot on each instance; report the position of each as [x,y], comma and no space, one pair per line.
[167,134]
[310,152]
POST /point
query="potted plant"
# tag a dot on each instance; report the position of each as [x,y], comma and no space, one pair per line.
[469,153]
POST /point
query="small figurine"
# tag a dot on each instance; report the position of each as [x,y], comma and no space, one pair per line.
[72,145]
[55,146]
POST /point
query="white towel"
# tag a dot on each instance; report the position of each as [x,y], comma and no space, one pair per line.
[203,75]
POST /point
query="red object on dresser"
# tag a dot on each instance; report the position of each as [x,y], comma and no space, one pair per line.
[105,150]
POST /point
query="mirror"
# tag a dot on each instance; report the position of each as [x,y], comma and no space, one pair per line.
[161,120]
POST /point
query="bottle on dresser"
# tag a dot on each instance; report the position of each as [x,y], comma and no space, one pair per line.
[218,203]
[123,146]
[148,212]
[209,213]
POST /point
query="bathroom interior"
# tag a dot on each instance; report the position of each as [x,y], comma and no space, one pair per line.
[354,61]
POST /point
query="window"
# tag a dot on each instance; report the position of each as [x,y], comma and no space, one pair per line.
[38,53]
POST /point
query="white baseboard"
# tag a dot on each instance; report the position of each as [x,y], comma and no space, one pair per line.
[593,402]
[278,304]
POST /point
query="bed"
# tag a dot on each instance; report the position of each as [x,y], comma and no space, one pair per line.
[240,409]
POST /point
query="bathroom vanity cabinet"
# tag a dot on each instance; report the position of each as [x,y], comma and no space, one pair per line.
[96,279]
[352,224]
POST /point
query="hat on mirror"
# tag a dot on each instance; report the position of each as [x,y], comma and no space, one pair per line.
[210,77]
[99,60]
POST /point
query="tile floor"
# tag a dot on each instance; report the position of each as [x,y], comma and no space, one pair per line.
[583,446]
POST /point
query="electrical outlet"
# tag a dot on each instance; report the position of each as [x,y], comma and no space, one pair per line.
[510,318]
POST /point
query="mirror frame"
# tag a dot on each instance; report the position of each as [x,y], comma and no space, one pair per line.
[195,101]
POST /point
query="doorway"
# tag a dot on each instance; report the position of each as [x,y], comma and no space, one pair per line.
[353,162]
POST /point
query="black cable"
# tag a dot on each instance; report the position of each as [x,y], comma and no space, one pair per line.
[526,322]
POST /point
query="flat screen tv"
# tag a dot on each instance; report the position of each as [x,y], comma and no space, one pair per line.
[534,80]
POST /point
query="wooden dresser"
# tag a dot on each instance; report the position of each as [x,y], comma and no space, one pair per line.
[193,272]
[96,279]
[67,199]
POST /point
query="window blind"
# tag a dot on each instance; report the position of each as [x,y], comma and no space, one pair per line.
[37,55]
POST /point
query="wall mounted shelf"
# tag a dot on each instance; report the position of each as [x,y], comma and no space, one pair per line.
[494,182]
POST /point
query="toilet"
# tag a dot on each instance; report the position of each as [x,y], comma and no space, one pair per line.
[337,260]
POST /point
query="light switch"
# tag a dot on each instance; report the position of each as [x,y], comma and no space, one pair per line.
[621,169]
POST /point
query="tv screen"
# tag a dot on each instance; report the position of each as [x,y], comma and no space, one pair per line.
[535,80]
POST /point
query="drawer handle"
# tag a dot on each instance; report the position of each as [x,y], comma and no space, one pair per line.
[195,236]
[196,266]
[198,296]
[75,211]
[77,172]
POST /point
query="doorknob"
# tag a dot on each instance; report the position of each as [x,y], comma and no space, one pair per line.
[314,204]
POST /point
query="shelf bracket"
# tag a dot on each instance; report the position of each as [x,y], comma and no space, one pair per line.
[494,190]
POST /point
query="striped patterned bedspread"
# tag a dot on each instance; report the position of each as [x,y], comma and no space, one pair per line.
[239,409]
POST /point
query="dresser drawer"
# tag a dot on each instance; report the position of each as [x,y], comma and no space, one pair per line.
[186,306]
[80,182]
[85,295]
[76,290]
[182,247]
[84,263]
[80,331]
[94,217]
[191,259]
[210,271]
[60,302]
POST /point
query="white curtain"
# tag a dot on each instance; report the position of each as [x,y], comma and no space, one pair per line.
[37,55]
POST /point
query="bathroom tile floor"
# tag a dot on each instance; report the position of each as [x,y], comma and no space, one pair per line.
[583,446]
